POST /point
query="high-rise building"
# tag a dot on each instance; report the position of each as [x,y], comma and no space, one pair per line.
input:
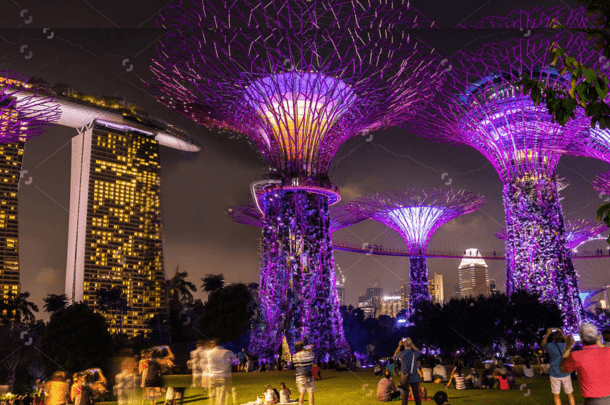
[435,286]
[390,305]
[492,287]
[11,156]
[341,290]
[473,275]
[370,302]
[405,293]
[115,222]
[457,294]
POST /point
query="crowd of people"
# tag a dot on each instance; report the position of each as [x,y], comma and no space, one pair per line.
[590,361]
[401,375]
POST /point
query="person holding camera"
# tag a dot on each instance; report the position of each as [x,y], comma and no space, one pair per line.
[555,344]
[303,363]
[592,364]
[409,377]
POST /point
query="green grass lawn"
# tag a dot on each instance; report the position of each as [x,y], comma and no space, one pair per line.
[360,388]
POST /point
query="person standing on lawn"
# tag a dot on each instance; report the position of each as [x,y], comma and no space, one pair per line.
[592,364]
[408,366]
[555,348]
[303,363]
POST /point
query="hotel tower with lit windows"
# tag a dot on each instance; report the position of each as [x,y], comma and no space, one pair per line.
[115,221]
[11,156]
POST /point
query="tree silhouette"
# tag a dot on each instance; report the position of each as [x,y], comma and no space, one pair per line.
[213,282]
[54,302]
[113,303]
[18,309]
[179,289]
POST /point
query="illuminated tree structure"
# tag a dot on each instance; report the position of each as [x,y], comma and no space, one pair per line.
[23,114]
[482,106]
[298,78]
[416,214]
[601,184]
[340,216]
[577,232]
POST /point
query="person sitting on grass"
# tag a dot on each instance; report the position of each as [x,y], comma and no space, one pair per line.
[487,379]
[342,365]
[315,370]
[528,370]
[284,393]
[503,381]
[456,375]
[386,389]
[474,379]
[270,395]
[426,373]
[377,369]
[439,369]
[441,398]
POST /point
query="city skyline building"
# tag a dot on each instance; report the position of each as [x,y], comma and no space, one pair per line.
[115,235]
[390,305]
[473,275]
[11,157]
[23,114]
[436,288]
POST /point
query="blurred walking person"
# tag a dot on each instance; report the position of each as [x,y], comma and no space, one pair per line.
[219,371]
[56,389]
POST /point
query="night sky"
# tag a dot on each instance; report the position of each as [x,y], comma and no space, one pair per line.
[86,46]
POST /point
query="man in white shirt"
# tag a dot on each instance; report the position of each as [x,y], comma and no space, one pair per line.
[219,371]
[195,364]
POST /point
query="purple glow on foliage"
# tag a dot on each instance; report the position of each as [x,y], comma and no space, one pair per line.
[482,106]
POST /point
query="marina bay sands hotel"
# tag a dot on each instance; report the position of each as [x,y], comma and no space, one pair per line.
[115,235]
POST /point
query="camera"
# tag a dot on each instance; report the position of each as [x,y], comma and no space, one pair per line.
[404,339]
[554,329]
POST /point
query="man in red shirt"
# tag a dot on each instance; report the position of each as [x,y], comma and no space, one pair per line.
[592,364]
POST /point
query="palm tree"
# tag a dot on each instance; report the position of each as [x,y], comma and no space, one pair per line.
[19,309]
[179,289]
[55,303]
[213,282]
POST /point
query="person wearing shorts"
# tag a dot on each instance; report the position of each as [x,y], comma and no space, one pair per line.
[303,362]
[555,344]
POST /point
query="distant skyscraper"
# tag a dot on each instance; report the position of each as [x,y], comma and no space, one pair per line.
[391,305]
[473,275]
[405,293]
[370,303]
[11,156]
[341,287]
[492,287]
[435,286]
[115,222]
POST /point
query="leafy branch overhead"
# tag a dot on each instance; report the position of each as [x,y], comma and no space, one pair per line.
[588,86]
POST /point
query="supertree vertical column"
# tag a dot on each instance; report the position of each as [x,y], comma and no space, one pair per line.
[416,214]
[482,106]
[24,113]
[298,78]
[340,216]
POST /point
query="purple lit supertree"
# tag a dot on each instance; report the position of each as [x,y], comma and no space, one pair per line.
[601,184]
[24,112]
[577,232]
[340,216]
[416,214]
[298,78]
[482,106]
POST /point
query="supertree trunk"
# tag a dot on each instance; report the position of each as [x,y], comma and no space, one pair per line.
[536,255]
[298,296]
[418,273]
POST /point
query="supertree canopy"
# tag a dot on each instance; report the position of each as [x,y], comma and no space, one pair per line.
[416,214]
[577,232]
[482,106]
[340,216]
[23,112]
[298,78]
[601,184]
